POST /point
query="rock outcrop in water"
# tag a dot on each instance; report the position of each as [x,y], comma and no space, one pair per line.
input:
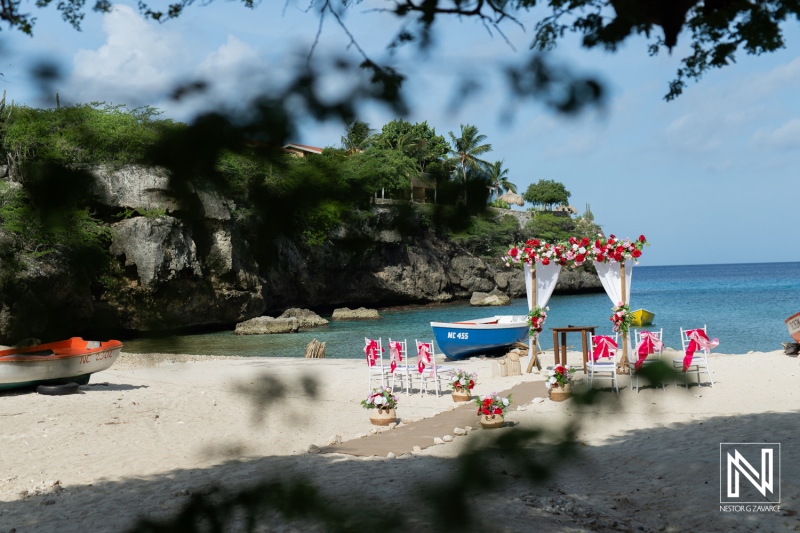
[176,271]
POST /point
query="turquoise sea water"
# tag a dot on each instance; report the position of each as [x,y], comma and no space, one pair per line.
[744,305]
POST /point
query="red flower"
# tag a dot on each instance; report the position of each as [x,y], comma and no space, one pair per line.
[636,253]
[545,261]
[618,257]
[642,239]
[573,240]
[562,261]
[534,242]
[471,384]
[580,258]
[600,258]
[498,411]
[486,411]
[487,401]
[585,241]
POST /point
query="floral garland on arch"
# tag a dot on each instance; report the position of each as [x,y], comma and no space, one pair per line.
[622,318]
[575,252]
[613,250]
[536,319]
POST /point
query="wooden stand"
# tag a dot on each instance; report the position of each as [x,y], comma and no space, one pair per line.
[623,367]
[512,364]
[315,350]
[535,357]
[499,368]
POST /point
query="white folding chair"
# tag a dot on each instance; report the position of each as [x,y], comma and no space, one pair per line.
[379,371]
[657,350]
[427,369]
[398,352]
[605,367]
[699,362]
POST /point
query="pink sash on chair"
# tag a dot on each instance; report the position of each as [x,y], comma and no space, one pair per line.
[604,346]
[423,356]
[650,343]
[395,354]
[697,339]
[371,349]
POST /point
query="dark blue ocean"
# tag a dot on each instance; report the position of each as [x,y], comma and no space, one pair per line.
[744,305]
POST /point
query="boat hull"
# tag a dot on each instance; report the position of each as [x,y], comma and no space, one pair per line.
[460,340]
[793,325]
[641,317]
[72,360]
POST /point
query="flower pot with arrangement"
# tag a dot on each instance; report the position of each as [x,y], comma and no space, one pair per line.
[381,404]
[462,383]
[560,383]
[492,409]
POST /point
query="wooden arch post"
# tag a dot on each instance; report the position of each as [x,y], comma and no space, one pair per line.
[535,347]
[624,366]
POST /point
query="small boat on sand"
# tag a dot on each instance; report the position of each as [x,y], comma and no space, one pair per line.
[56,363]
[492,335]
[793,325]
[642,317]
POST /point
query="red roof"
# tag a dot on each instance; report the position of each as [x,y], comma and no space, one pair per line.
[303,148]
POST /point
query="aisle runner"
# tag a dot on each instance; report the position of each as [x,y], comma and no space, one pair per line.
[401,440]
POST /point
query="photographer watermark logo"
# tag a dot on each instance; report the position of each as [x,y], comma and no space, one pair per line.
[750,476]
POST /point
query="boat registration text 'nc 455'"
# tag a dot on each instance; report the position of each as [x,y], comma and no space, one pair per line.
[463,335]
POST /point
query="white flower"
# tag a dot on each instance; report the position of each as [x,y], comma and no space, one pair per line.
[547,384]
[379,400]
[552,380]
[505,402]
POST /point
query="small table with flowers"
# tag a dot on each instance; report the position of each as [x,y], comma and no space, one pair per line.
[562,348]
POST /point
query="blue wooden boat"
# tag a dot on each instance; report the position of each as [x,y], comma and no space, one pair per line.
[492,335]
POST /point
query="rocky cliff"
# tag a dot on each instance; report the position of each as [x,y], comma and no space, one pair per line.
[175,271]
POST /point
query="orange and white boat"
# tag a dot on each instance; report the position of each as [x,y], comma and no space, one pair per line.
[55,363]
[793,325]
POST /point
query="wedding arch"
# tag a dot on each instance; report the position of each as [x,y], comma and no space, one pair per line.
[542,262]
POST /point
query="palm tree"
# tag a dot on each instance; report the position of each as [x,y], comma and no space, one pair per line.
[467,150]
[357,137]
[498,179]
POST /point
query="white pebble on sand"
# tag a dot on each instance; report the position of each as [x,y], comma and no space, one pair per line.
[447,438]
[437,440]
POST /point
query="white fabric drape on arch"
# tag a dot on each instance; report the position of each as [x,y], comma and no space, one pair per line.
[609,274]
[611,278]
[546,279]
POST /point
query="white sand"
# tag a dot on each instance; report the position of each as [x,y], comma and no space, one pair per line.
[167,426]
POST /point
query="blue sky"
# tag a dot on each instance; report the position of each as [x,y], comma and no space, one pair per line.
[708,178]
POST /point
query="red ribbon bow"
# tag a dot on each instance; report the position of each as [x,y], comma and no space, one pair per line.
[423,355]
[650,343]
[395,354]
[604,346]
[371,349]
[697,339]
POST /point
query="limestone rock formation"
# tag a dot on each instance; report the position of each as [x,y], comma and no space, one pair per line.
[361,313]
[263,325]
[187,262]
[496,297]
[306,318]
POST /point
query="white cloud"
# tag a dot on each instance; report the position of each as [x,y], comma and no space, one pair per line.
[785,137]
[138,61]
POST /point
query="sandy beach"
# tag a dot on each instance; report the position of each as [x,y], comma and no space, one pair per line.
[152,430]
